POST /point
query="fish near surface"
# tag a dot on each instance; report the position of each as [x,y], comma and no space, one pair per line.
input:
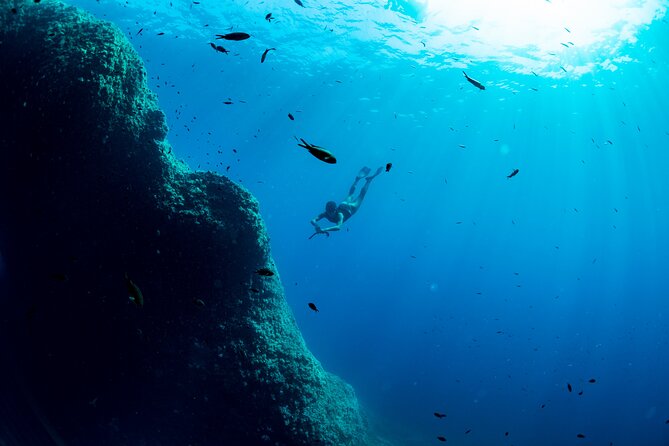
[318,152]
[218,48]
[233,36]
[264,55]
[474,82]
[513,173]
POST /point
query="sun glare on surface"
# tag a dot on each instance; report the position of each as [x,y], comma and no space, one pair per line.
[538,34]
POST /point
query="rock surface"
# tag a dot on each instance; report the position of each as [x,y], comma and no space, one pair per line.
[90,193]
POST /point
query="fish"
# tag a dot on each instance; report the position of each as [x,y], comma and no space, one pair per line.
[291,117]
[569,387]
[140,30]
[299,2]
[513,173]
[198,302]
[563,69]
[313,306]
[218,48]
[474,82]
[269,17]
[388,167]
[441,438]
[567,29]
[439,415]
[160,34]
[264,272]
[318,152]
[264,55]
[592,380]
[468,431]
[233,36]
[564,44]
[254,290]
[580,436]
[59,277]
[135,294]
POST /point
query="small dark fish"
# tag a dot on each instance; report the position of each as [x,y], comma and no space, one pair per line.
[198,302]
[567,29]
[468,431]
[592,380]
[474,82]
[140,30]
[569,387]
[135,294]
[513,173]
[608,141]
[291,117]
[564,44]
[59,277]
[667,422]
[218,48]
[313,306]
[299,2]
[269,17]
[233,36]
[441,438]
[475,28]
[580,393]
[580,436]
[318,152]
[388,167]
[264,272]
[264,55]
[254,290]
[160,34]
[439,415]
[563,69]
[506,434]
[227,102]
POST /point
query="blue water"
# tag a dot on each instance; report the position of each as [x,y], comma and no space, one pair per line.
[453,289]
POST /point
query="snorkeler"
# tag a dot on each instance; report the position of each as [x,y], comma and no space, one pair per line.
[339,214]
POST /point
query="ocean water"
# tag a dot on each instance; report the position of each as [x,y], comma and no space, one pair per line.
[454,289]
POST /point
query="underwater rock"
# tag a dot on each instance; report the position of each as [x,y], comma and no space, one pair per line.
[92,199]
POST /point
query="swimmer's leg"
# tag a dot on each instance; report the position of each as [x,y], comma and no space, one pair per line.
[358,201]
[361,174]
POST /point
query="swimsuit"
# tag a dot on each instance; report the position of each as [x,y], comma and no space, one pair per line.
[346,210]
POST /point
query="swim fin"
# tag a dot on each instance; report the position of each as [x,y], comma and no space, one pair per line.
[363,173]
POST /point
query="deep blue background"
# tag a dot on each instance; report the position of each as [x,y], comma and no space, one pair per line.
[454,289]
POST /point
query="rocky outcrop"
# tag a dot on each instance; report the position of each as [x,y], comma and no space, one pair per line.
[90,194]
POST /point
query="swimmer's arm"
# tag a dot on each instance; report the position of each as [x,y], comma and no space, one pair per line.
[315,219]
[337,227]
